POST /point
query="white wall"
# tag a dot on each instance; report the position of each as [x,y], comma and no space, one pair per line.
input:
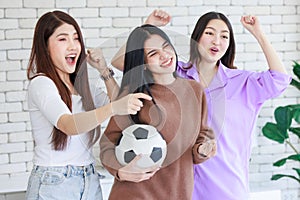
[106,24]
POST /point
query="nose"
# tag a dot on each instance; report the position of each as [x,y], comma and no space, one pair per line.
[71,45]
[216,40]
[164,54]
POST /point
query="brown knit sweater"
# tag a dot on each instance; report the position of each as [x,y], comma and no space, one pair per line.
[183,126]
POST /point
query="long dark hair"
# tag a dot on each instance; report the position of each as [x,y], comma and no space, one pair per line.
[40,63]
[135,77]
[228,57]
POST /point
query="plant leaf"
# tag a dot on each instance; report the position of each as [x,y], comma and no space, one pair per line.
[295,84]
[278,176]
[296,69]
[271,131]
[295,157]
[296,131]
[294,106]
[296,115]
[283,117]
[297,170]
[280,162]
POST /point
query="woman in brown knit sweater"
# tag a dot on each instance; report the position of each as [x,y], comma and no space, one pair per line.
[178,111]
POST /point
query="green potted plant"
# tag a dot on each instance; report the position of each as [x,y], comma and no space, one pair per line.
[281,130]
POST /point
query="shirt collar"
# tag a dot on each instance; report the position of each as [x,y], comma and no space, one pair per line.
[221,78]
[223,75]
[192,72]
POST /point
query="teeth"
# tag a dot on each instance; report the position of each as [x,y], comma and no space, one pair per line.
[168,62]
[71,56]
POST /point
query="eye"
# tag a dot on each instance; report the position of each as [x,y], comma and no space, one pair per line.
[208,33]
[76,37]
[167,47]
[150,52]
[153,53]
[225,36]
[61,39]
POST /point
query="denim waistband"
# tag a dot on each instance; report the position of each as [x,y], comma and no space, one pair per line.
[68,170]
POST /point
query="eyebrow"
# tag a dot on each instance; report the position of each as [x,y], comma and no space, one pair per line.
[65,34]
[223,31]
[166,42]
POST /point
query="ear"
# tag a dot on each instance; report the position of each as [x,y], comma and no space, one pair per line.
[145,66]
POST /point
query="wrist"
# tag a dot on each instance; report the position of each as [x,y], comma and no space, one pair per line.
[118,176]
[107,74]
[103,70]
[111,109]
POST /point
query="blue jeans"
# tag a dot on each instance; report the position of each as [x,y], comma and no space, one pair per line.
[64,183]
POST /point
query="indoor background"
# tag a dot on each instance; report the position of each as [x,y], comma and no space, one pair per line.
[106,24]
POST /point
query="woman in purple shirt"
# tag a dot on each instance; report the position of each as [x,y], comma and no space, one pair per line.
[234,99]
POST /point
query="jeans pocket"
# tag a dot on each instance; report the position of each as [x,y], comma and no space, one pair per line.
[52,178]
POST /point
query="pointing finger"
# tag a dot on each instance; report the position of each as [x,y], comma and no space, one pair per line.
[143,96]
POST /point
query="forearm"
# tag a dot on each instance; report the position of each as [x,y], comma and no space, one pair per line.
[83,122]
[111,85]
[112,89]
[95,59]
[156,18]
[272,58]
[118,60]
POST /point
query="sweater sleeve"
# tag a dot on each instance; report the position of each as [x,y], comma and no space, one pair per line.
[108,142]
[206,134]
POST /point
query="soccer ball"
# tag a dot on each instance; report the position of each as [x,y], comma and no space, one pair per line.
[141,139]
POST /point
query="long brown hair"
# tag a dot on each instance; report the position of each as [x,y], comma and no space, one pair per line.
[40,63]
[135,77]
[228,57]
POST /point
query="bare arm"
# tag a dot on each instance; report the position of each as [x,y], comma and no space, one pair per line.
[72,124]
[96,59]
[156,18]
[251,23]
[118,60]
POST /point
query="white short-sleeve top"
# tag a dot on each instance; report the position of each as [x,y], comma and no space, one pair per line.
[45,108]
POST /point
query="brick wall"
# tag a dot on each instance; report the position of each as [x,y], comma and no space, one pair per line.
[106,24]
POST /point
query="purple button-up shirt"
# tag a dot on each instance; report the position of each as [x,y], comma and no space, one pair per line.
[234,98]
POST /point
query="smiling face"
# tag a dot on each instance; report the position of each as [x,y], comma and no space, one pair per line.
[64,49]
[214,41]
[160,58]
